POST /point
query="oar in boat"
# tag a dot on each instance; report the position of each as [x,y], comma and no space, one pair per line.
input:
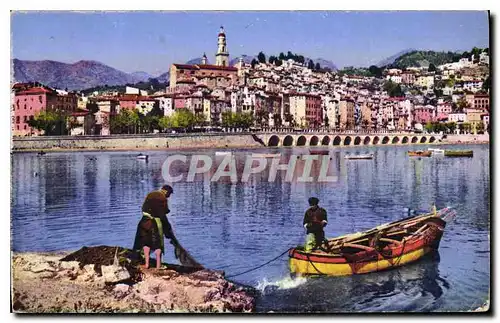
[356,236]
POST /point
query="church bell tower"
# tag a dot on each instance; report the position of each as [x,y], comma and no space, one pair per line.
[222,56]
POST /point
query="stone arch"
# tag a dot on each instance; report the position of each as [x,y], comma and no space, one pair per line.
[367,140]
[385,140]
[414,140]
[325,141]
[274,141]
[313,141]
[347,141]
[357,140]
[288,141]
[423,140]
[395,140]
[301,141]
[432,139]
[405,140]
[336,141]
[375,140]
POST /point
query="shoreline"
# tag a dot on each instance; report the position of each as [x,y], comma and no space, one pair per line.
[63,282]
[244,147]
[192,142]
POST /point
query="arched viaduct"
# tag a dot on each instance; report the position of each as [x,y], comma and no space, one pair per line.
[299,139]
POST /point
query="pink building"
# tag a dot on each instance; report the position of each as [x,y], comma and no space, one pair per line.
[28,102]
[180,102]
[443,109]
[314,110]
[423,114]
[128,102]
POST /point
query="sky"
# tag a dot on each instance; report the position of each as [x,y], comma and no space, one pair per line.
[151,41]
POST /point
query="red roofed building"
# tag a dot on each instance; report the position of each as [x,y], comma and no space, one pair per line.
[221,70]
[28,102]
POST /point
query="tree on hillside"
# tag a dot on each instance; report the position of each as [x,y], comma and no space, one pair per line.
[272,59]
[317,67]
[289,55]
[462,104]
[432,68]
[281,56]
[375,71]
[300,59]
[393,89]
[310,65]
[487,84]
[261,57]
[278,62]
[254,62]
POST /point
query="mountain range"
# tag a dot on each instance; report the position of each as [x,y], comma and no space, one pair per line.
[86,74]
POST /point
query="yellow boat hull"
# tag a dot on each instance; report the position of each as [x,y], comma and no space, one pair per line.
[305,267]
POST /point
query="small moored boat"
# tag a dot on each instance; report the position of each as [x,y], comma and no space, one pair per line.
[361,156]
[386,246]
[458,153]
[142,156]
[436,151]
[419,153]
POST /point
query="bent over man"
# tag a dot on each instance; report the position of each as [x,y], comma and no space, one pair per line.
[154,224]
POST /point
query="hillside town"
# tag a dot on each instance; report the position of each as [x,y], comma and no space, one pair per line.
[278,93]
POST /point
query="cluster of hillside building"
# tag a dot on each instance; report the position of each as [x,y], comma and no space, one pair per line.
[289,95]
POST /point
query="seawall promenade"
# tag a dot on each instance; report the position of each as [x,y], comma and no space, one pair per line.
[202,141]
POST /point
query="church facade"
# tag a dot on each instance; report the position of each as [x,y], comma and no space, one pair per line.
[211,76]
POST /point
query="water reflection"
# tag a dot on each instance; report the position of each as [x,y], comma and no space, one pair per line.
[89,199]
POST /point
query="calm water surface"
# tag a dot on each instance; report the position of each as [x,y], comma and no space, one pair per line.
[94,198]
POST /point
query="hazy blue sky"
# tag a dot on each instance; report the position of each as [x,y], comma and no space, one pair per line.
[151,41]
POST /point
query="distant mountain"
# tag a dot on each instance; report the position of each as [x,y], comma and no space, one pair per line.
[247,59]
[165,77]
[142,76]
[323,63]
[80,75]
[196,61]
[391,59]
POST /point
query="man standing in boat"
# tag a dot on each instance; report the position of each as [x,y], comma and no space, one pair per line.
[154,225]
[315,220]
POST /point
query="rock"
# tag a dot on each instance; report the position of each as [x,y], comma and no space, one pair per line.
[38,268]
[47,274]
[114,274]
[121,290]
[71,265]
[89,269]
[57,286]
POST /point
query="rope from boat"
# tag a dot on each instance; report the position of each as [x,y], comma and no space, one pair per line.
[260,266]
[312,263]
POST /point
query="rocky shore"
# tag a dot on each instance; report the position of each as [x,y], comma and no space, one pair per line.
[108,279]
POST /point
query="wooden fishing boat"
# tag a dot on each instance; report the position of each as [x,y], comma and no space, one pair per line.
[319,152]
[436,151]
[458,153]
[386,246]
[258,155]
[365,156]
[419,153]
